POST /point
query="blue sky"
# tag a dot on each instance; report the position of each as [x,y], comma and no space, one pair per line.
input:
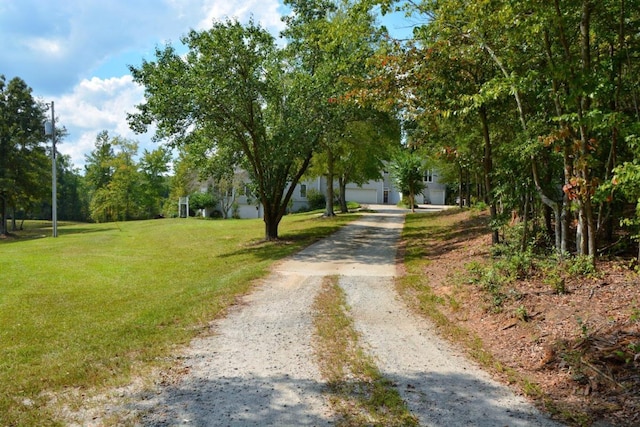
[77,53]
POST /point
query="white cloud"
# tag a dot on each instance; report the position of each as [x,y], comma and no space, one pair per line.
[264,12]
[44,46]
[95,105]
[77,36]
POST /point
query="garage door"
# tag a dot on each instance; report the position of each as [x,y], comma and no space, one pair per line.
[437,197]
[362,195]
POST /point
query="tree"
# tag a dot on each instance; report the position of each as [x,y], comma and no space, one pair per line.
[202,200]
[99,163]
[221,170]
[116,184]
[154,166]
[367,147]
[125,190]
[336,39]
[234,89]
[181,183]
[407,170]
[23,160]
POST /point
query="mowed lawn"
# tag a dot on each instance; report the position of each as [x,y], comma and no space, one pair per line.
[101,302]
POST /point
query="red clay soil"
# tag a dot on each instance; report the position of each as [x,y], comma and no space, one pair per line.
[581,347]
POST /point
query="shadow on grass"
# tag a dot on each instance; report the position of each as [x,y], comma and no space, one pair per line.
[21,236]
[437,399]
[286,245]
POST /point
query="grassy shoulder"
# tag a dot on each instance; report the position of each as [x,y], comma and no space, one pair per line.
[101,302]
[358,391]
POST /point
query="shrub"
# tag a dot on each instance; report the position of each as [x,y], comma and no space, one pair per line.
[582,265]
[316,199]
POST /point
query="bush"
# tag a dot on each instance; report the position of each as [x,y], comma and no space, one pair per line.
[202,201]
[582,265]
[316,199]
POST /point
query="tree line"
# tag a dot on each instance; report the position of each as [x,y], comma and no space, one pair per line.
[115,185]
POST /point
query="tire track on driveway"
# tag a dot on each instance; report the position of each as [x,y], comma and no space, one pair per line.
[257,369]
[441,387]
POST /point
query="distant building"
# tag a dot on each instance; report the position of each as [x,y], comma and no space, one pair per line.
[381,191]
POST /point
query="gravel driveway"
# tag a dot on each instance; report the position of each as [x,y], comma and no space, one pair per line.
[257,368]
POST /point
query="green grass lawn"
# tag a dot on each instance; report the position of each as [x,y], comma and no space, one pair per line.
[86,309]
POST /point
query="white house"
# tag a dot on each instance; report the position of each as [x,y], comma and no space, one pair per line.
[380,191]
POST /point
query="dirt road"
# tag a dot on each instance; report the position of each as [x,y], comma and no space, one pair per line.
[257,367]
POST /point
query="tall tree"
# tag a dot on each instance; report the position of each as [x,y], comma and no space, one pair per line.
[154,166]
[125,189]
[181,183]
[360,152]
[99,163]
[234,89]
[73,203]
[114,180]
[336,39]
[407,169]
[23,160]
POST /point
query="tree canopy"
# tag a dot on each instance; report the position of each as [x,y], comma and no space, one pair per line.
[23,159]
[236,90]
[547,89]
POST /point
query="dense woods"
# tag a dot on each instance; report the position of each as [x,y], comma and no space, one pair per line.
[533,105]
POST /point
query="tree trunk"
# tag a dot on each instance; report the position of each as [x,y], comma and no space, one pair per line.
[460,187]
[3,215]
[581,246]
[584,105]
[14,224]
[272,217]
[342,185]
[328,212]
[563,214]
[547,213]
[488,166]
[275,207]
[565,224]
[525,224]
[468,190]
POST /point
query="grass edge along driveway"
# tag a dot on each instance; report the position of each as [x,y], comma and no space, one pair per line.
[102,302]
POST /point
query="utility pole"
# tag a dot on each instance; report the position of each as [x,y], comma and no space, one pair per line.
[51,130]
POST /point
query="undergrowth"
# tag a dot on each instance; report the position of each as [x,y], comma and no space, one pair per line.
[509,264]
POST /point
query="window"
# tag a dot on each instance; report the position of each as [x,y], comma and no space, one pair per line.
[303,190]
[428,176]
